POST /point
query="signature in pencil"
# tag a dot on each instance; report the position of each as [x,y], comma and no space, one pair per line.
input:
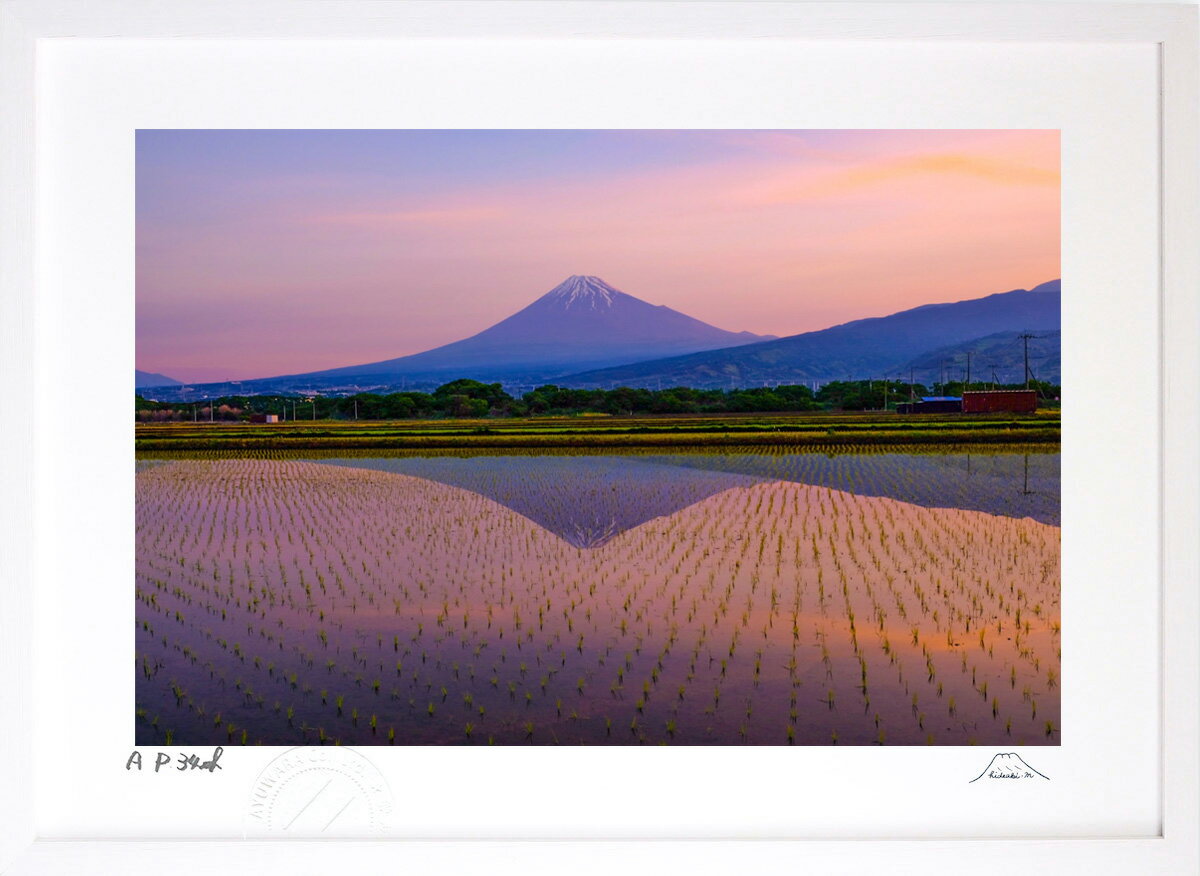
[1009,765]
[186,760]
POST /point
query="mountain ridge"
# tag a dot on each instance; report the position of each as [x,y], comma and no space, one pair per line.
[860,349]
[148,379]
[565,317]
[998,357]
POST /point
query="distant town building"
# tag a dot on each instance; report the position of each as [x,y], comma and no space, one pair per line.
[258,418]
[1017,401]
[272,418]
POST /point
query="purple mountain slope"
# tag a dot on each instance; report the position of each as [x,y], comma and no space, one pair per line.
[150,378]
[862,349]
[581,323]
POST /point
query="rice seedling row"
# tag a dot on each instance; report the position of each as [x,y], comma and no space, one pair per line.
[290,602]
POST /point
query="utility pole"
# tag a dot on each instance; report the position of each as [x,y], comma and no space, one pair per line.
[911,395]
[1025,336]
[968,383]
[211,406]
[293,410]
[356,409]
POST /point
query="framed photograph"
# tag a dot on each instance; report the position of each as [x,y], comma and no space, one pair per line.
[618,426]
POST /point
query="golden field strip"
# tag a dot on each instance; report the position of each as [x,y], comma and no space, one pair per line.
[794,430]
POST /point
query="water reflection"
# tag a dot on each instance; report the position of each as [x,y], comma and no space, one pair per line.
[584,500]
[587,500]
[282,601]
[1006,484]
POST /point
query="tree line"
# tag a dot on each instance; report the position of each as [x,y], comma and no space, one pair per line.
[472,399]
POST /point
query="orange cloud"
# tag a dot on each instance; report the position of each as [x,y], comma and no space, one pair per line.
[978,167]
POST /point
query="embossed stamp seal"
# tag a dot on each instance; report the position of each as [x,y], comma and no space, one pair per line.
[319,791]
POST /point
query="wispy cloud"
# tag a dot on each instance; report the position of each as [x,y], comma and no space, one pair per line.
[978,166]
[807,183]
[431,215]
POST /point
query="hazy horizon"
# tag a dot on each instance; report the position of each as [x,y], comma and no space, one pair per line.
[262,253]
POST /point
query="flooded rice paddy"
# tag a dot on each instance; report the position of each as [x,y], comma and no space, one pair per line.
[690,598]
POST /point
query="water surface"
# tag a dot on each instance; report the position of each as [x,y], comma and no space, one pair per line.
[683,598]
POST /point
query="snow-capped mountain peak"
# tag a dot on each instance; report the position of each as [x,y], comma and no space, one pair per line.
[583,291]
[581,322]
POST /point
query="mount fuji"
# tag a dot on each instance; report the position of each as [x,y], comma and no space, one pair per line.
[581,323]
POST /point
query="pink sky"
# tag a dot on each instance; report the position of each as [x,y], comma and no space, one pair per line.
[265,253]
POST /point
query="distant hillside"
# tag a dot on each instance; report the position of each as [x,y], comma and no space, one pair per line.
[866,348]
[145,379]
[999,358]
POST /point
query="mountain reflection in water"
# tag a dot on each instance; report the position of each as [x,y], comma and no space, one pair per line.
[587,500]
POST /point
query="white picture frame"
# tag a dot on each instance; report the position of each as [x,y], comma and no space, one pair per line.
[27,30]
